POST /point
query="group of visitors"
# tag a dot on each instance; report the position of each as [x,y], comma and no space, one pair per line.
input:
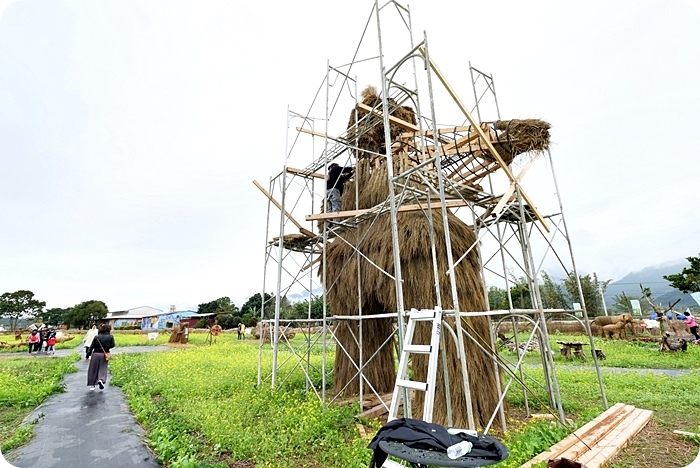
[41,339]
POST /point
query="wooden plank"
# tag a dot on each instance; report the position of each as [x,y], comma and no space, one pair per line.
[373,400]
[597,434]
[446,130]
[306,174]
[480,174]
[461,142]
[506,196]
[377,410]
[566,443]
[404,208]
[307,233]
[601,439]
[322,135]
[309,265]
[461,167]
[616,440]
[361,429]
[395,120]
[301,229]
[398,122]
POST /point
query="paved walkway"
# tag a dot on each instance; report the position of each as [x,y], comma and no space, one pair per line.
[83,428]
[619,370]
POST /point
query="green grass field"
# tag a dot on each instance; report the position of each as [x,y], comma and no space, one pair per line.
[201,405]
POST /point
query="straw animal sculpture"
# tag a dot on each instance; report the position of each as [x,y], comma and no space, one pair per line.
[374,240]
[519,136]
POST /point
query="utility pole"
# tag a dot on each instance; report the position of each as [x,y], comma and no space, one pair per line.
[602,298]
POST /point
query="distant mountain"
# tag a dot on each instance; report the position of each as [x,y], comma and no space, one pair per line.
[652,277]
[304,295]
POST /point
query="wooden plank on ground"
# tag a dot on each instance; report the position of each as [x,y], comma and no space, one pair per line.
[378,410]
[616,440]
[566,443]
[361,429]
[598,433]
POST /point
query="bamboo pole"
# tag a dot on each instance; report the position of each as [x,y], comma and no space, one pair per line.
[306,232]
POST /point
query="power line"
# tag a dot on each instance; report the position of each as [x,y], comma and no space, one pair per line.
[643,282]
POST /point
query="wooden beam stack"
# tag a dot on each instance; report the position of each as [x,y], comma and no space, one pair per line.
[598,441]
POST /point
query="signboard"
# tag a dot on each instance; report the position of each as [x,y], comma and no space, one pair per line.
[696,296]
[636,307]
[577,309]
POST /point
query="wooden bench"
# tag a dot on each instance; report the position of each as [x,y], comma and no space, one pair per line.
[601,439]
[568,346]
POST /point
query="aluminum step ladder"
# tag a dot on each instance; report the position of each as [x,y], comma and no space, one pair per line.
[403,383]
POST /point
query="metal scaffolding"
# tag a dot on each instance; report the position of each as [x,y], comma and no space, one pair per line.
[454,168]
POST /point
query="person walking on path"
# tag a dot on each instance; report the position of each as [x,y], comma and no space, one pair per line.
[91,334]
[97,370]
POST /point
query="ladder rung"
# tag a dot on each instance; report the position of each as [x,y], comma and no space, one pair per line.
[422,386]
[417,349]
[422,315]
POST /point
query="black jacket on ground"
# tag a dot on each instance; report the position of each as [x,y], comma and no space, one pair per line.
[419,434]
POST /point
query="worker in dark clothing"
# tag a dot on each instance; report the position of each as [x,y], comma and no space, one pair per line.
[335,179]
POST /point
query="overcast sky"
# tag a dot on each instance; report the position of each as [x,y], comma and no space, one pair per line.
[131,131]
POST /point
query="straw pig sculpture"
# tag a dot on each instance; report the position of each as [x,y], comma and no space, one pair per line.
[378,295]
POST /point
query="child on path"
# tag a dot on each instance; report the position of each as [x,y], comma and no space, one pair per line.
[50,341]
[43,332]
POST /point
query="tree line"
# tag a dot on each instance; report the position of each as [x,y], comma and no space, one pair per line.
[554,294]
[22,304]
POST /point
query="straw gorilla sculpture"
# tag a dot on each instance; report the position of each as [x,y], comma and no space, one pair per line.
[373,292]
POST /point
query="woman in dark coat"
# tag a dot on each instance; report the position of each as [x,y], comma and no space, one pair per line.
[97,370]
